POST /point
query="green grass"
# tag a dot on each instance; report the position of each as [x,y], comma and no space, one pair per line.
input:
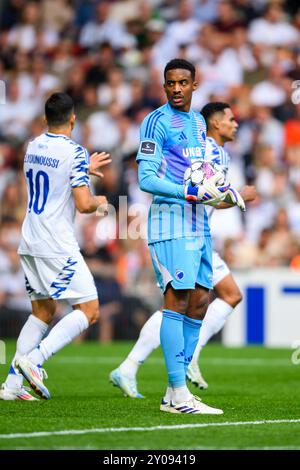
[249,384]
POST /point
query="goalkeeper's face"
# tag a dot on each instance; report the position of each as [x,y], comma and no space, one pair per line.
[179,87]
[227,125]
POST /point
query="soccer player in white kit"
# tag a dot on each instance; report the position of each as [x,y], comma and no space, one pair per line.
[57,177]
[221,128]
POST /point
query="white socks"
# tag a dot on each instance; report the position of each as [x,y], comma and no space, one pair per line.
[129,367]
[30,336]
[181,394]
[67,329]
[177,395]
[169,394]
[214,320]
[148,340]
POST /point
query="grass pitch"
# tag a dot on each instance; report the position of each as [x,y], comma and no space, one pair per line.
[257,388]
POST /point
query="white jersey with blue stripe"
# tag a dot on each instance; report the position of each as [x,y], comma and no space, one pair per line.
[53,165]
[215,153]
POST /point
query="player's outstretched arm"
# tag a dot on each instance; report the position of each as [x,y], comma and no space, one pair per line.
[98,160]
[86,203]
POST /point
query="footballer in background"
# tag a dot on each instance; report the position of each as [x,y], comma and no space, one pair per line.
[56,170]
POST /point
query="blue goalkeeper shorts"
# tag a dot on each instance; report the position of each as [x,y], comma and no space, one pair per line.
[183,262]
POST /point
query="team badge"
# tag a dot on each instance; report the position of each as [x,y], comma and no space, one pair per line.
[179,275]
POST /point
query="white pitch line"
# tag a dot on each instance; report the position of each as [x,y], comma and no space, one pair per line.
[160,360]
[72,432]
[74,447]
[241,448]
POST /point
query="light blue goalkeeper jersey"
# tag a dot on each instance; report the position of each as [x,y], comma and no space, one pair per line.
[170,141]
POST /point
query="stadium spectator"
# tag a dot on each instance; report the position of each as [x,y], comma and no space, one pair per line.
[39,83]
[102,28]
[293,211]
[31,31]
[103,61]
[115,90]
[184,29]
[102,128]
[270,92]
[58,14]
[14,122]
[227,20]
[273,28]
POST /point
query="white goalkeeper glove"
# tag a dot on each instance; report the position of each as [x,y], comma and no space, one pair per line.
[208,192]
[233,196]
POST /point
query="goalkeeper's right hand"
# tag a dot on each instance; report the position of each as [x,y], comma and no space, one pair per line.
[208,192]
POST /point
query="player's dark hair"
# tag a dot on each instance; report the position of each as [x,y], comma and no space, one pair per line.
[212,108]
[180,64]
[58,109]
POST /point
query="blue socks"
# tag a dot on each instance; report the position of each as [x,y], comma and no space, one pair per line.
[191,330]
[172,343]
[179,337]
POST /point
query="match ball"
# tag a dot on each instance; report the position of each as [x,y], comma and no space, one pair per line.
[199,171]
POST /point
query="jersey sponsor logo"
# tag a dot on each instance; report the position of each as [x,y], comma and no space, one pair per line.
[148,148]
[189,152]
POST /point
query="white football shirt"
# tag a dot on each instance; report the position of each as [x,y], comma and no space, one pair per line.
[53,165]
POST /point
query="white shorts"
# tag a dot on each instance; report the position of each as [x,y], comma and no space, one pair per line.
[66,278]
[220,268]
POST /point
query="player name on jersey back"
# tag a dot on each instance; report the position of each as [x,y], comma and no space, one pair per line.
[41,160]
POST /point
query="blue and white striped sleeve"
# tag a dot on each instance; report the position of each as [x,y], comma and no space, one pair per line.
[225,158]
[80,168]
[218,155]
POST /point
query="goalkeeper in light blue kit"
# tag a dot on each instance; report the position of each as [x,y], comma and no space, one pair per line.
[221,128]
[172,137]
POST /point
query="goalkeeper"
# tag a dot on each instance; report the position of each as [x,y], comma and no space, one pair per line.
[221,128]
[172,137]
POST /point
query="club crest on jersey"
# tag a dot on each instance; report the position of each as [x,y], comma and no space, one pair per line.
[189,152]
[148,148]
[179,275]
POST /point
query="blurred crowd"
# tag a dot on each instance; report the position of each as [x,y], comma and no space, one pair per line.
[109,56]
